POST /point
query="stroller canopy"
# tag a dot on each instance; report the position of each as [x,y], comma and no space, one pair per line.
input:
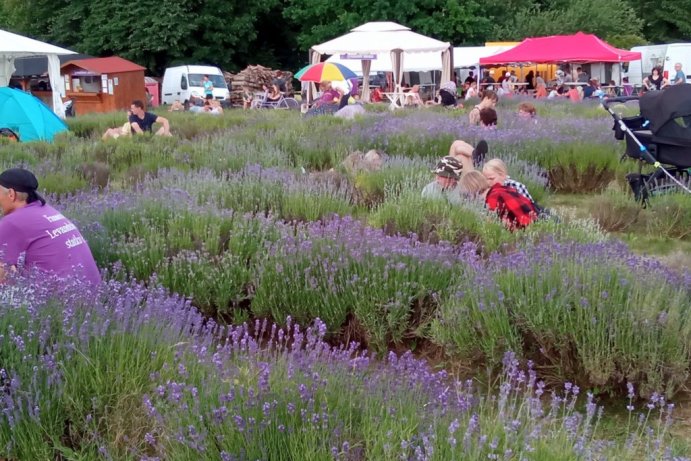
[27,116]
[669,112]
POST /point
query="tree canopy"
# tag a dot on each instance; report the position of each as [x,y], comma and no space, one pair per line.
[235,33]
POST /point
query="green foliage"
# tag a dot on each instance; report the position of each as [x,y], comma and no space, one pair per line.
[232,34]
[443,19]
[152,33]
[575,168]
[666,216]
[612,18]
[664,20]
[432,220]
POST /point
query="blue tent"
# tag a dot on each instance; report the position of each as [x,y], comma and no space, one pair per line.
[27,116]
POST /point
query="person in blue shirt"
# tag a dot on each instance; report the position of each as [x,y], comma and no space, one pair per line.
[679,76]
[208,87]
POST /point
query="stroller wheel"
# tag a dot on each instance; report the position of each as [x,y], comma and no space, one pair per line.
[658,183]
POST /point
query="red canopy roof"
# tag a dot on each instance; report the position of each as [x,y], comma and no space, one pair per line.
[113,64]
[562,48]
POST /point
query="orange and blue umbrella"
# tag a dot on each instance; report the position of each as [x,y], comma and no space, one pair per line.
[322,71]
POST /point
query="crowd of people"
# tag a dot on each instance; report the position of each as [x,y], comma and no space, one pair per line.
[575,86]
[456,178]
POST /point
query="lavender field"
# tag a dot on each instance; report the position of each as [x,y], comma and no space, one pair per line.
[261,306]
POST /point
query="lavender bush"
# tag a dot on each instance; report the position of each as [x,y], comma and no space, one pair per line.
[533,298]
[242,220]
[571,305]
[132,373]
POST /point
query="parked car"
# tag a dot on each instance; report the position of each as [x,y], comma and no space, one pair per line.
[180,83]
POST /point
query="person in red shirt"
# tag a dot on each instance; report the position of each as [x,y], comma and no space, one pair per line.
[376,95]
[514,210]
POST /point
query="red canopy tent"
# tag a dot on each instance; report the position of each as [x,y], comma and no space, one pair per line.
[578,48]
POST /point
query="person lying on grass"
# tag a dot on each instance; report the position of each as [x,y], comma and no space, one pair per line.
[36,235]
[142,121]
[445,184]
[468,155]
[115,133]
[514,210]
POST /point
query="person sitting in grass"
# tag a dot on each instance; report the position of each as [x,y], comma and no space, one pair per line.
[496,172]
[444,98]
[115,133]
[488,117]
[247,97]
[445,185]
[526,110]
[36,235]
[142,121]
[514,210]
[489,101]
[412,97]
[177,106]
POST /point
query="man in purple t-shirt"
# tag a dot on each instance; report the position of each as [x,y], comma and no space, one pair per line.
[33,234]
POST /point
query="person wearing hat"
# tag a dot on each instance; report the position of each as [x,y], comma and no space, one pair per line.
[36,235]
[506,85]
[445,185]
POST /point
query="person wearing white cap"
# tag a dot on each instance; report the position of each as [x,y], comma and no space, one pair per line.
[506,86]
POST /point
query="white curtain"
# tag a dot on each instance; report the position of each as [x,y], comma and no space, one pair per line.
[366,66]
[447,65]
[6,69]
[315,58]
[397,64]
[57,84]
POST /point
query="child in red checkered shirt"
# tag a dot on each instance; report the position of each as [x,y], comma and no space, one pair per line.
[514,210]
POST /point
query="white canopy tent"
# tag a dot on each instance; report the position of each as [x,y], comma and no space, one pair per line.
[14,46]
[421,62]
[385,38]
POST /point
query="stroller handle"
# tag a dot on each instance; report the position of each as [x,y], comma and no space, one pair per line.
[608,101]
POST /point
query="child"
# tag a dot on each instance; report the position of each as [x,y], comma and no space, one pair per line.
[496,173]
[526,110]
[514,210]
[247,98]
[489,101]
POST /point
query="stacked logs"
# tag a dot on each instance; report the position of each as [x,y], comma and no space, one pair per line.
[254,78]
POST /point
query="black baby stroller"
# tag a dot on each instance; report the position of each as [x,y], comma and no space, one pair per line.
[660,135]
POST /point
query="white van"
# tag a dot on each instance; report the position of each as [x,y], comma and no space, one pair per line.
[677,53]
[182,82]
[651,56]
[660,55]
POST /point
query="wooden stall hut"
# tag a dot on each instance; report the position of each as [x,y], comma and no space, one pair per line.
[103,84]
[154,88]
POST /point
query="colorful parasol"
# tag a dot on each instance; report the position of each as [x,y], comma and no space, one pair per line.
[322,71]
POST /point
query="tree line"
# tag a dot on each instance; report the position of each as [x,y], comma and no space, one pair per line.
[278,33]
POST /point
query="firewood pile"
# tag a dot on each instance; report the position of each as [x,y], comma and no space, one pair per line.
[254,78]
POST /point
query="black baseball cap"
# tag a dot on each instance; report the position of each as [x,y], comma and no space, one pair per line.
[21,180]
